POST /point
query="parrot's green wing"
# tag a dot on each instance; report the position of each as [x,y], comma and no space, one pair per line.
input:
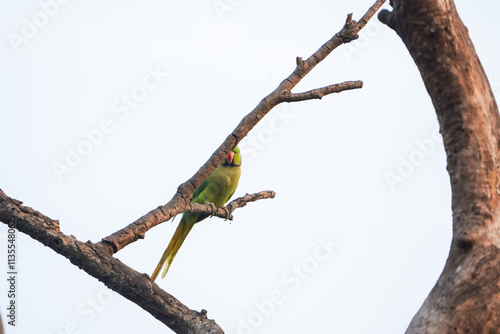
[200,189]
[230,195]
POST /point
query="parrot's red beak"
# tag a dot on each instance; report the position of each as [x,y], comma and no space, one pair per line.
[230,157]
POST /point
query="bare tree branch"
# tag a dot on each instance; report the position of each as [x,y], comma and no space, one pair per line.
[466,298]
[97,262]
[242,201]
[181,199]
[318,93]
[122,237]
[363,21]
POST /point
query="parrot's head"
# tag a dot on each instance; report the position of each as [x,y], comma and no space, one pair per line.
[233,158]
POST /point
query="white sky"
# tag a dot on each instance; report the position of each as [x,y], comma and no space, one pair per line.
[327,160]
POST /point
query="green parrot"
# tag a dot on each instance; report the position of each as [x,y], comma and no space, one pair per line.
[217,189]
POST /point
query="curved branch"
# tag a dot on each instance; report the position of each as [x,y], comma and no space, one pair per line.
[469,122]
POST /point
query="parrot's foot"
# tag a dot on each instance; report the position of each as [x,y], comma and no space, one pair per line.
[214,208]
[227,212]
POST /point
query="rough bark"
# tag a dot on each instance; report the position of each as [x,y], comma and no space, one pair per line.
[466,298]
[97,262]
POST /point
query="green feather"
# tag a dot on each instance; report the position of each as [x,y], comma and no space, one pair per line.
[217,189]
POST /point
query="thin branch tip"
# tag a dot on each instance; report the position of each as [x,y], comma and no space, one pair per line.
[349,18]
[370,12]
[226,212]
[319,93]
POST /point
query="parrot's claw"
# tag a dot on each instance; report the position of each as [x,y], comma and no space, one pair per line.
[227,212]
[214,208]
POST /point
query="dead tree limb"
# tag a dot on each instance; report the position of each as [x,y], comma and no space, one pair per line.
[95,260]
[466,298]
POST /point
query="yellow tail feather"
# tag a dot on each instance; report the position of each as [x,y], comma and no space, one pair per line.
[175,243]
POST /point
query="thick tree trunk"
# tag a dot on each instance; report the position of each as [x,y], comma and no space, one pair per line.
[466,298]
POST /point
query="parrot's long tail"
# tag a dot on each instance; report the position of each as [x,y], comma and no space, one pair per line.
[168,256]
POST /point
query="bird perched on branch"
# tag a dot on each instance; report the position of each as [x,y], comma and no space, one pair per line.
[217,189]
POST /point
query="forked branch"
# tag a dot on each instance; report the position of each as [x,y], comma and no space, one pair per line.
[282,93]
